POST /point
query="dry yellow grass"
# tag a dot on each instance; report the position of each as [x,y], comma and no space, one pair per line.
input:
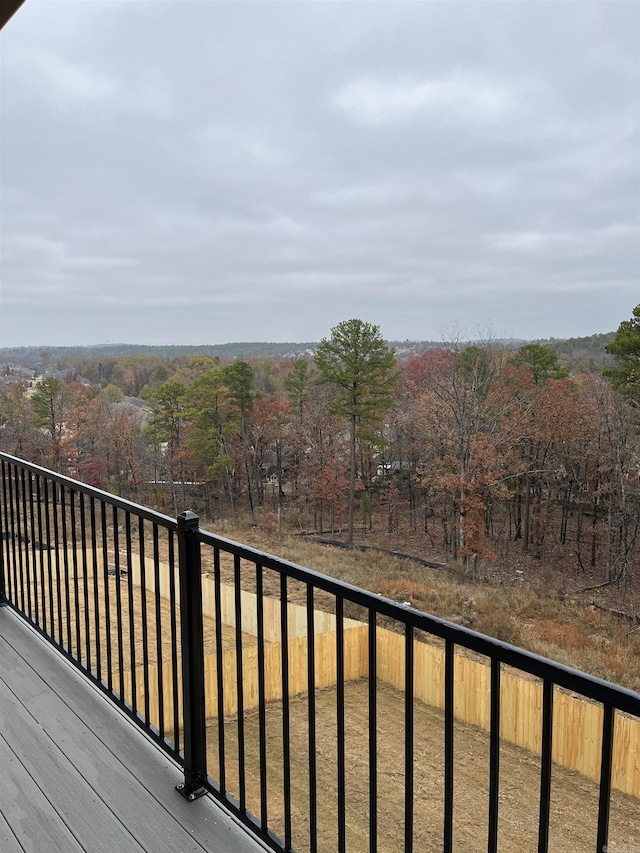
[546,624]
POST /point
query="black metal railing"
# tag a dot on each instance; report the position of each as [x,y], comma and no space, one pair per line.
[256,674]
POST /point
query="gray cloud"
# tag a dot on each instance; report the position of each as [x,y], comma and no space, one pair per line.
[204,172]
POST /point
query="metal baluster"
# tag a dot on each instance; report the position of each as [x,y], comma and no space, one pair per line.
[96,591]
[32,572]
[107,596]
[159,654]
[219,672]
[311,694]
[56,536]
[85,582]
[448,744]
[143,617]
[286,729]
[47,521]
[606,763]
[494,756]
[44,546]
[174,644]
[408,740]
[373,733]
[23,539]
[545,766]
[74,563]
[262,701]
[242,781]
[116,558]
[132,615]
[340,727]
[65,561]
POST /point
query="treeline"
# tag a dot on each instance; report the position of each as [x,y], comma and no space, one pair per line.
[42,359]
[584,355]
[480,449]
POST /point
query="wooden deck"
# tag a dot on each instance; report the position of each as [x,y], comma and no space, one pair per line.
[76,774]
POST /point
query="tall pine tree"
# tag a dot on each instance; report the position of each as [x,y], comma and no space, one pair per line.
[359,367]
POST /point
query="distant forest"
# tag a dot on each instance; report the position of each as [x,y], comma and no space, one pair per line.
[579,354]
[479,448]
[32,356]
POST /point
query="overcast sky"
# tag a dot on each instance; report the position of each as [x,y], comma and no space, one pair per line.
[186,172]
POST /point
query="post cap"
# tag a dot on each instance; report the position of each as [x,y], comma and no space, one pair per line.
[188,520]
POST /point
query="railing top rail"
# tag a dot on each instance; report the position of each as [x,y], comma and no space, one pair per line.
[563,676]
[129,506]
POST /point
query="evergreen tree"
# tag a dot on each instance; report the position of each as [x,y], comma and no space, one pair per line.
[49,405]
[625,346]
[209,412]
[359,367]
[297,385]
[542,361]
[238,377]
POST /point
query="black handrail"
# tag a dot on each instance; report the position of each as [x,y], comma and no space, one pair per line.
[87,569]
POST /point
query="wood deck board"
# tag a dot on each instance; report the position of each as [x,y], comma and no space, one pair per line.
[42,754]
[8,842]
[108,785]
[32,824]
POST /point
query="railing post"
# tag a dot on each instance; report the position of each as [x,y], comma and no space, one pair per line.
[191,631]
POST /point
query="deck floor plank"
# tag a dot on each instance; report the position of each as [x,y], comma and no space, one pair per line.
[127,780]
[8,841]
[112,782]
[40,752]
[30,822]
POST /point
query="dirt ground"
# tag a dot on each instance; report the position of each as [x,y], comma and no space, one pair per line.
[574,798]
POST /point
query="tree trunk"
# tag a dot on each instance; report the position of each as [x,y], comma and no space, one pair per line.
[566,500]
[352,481]
[526,514]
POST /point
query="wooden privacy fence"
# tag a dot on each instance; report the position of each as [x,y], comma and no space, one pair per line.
[355,666]
[577,724]
[297,615]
